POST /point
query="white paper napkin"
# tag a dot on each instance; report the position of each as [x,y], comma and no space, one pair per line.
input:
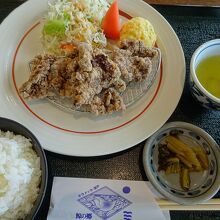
[81,198]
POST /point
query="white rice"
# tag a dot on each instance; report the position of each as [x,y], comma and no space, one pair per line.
[20,176]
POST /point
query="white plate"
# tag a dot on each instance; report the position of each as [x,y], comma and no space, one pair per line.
[82,134]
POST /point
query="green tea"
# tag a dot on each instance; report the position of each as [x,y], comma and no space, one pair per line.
[208,73]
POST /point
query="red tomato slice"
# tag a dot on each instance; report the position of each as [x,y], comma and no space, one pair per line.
[110,23]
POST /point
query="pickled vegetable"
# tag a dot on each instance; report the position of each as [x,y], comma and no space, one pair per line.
[163,155]
[186,152]
[173,165]
[176,156]
[184,178]
[202,157]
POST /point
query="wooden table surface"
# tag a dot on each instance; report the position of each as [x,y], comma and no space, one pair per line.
[185,2]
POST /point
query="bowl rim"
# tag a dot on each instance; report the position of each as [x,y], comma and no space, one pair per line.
[193,71]
[184,201]
[44,178]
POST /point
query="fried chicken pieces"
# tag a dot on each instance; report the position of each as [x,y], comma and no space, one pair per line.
[89,76]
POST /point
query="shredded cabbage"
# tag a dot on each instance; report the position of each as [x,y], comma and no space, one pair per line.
[74,20]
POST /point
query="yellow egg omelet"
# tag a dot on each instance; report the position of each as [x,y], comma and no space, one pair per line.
[139,29]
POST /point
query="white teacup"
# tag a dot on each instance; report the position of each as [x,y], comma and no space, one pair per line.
[205,98]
